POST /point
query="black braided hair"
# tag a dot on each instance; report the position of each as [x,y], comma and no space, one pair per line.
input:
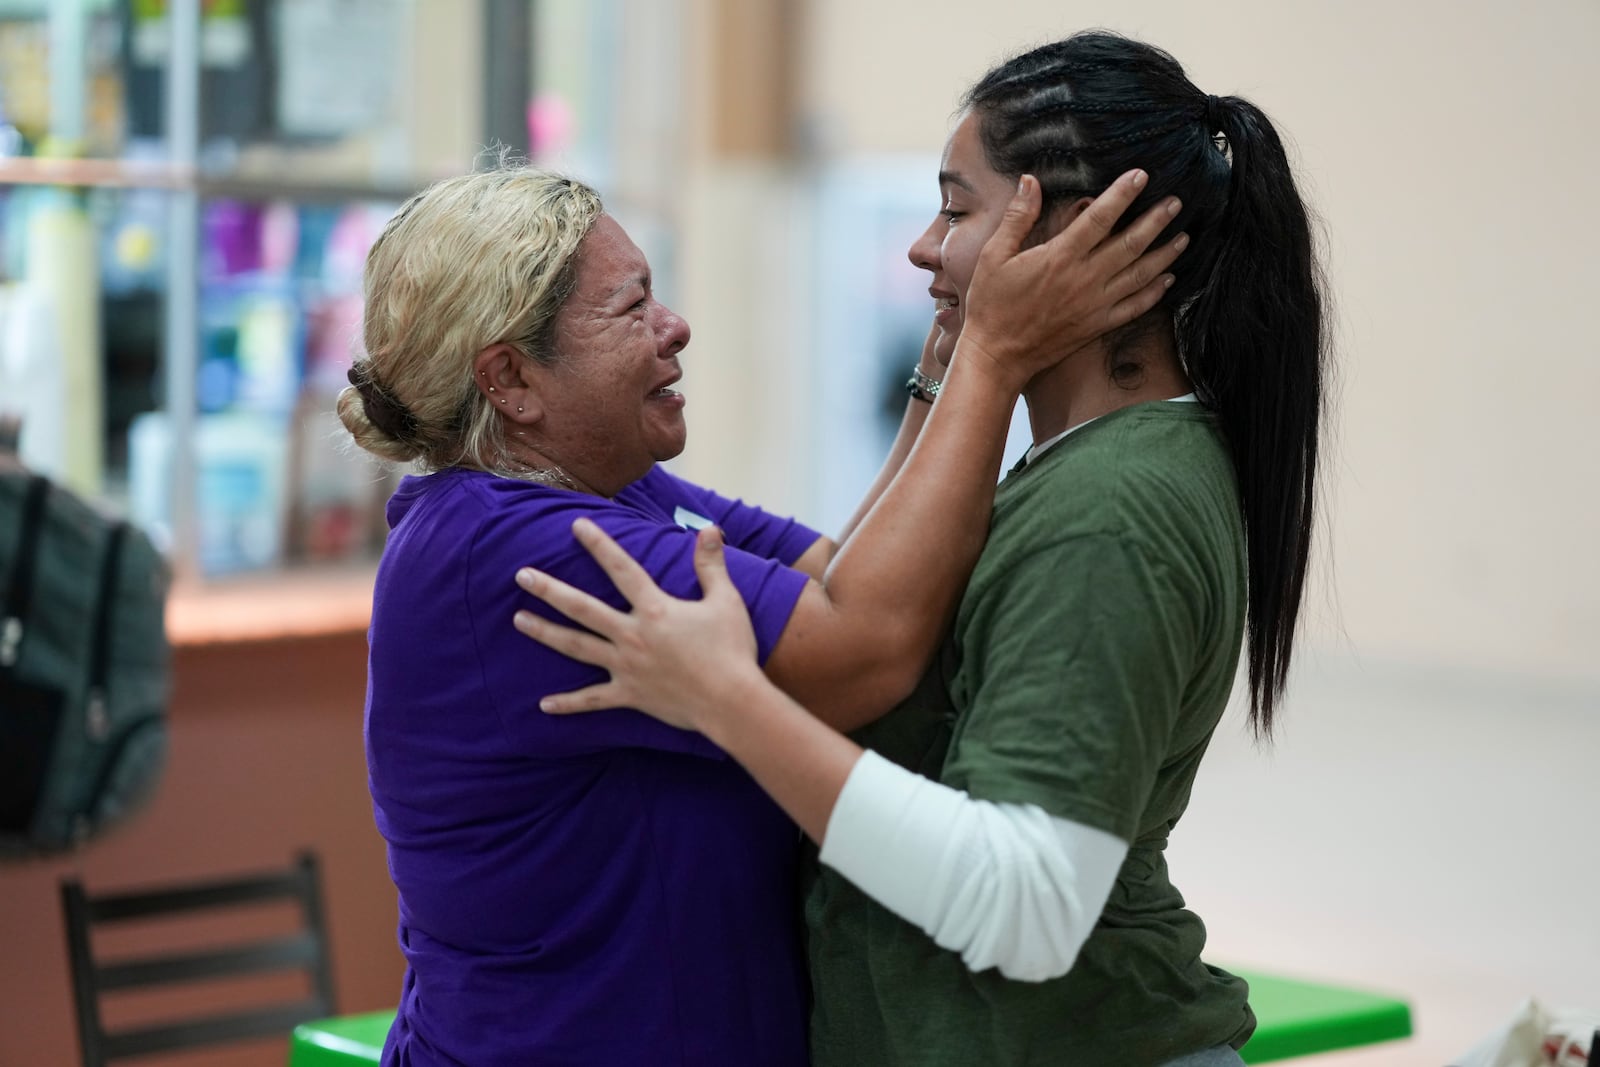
[1247,306]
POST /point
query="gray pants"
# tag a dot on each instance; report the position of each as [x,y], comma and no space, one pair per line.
[1221,1056]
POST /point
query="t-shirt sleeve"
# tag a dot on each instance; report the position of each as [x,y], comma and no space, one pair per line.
[518,671]
[743,526]
[1072,671]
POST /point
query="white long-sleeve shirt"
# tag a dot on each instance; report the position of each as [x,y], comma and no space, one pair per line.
[1005,885]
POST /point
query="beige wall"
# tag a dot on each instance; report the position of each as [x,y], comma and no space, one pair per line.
[443,85]
[1450,147]
[741,264]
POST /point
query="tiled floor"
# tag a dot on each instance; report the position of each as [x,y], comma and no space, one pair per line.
[1432,835]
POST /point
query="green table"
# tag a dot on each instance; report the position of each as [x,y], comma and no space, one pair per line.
[1297,1018]
[1293,1018]
[340,1042]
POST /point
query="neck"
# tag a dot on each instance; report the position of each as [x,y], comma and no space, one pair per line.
[530,463]
[1080,387]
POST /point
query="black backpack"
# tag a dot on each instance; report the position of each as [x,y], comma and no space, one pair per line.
[84,667]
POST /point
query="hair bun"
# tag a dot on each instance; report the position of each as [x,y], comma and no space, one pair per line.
[384,410]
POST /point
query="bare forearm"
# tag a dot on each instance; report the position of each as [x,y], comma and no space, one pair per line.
[942,488]
[799,761]
[894,584]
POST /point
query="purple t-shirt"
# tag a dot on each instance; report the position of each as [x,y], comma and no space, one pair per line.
[586,889]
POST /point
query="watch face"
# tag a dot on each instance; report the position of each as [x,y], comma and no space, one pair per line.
[917,386]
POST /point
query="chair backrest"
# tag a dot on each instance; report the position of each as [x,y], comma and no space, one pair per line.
[304,950]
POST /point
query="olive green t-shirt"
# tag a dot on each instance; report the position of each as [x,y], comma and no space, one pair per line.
[1090,660]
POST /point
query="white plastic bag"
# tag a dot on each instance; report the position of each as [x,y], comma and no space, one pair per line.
[1537,1036]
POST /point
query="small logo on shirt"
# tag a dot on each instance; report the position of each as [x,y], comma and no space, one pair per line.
[689,520]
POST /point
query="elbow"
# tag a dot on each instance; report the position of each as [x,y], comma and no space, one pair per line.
[1033,929]
[1036,967]
[1038,951]
[874,689]
[899,656]
[870,680]
[894,679]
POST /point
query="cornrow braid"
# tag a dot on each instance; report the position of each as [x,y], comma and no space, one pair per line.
[1082,107]
[1058,152]
[1045,67]
[1147,133]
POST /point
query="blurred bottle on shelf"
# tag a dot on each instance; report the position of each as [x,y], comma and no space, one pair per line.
[241,463]
[11,143]
[63,270]
[32,384]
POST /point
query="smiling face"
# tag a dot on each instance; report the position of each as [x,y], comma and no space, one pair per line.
[607,412]
[973,199]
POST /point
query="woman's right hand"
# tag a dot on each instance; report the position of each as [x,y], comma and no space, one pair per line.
[680,661]
[1027,308]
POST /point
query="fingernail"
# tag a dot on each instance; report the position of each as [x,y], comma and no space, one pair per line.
[1139,178]
[1180,242]
[547,704]
[1174,206]
[526,575]
[1167,280]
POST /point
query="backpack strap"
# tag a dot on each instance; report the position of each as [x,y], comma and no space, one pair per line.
[19,597]
[100,653]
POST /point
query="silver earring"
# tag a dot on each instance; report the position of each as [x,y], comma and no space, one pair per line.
[502,400]
[491,388]
[519,409]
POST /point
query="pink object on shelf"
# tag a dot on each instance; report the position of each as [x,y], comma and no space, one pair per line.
[551,124]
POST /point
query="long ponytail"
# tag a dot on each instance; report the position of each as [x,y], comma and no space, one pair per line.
[1254,344]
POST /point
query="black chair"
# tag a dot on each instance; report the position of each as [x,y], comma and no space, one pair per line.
[304,950]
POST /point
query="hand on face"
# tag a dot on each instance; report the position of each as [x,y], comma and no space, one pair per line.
[675,660]
[1026,309]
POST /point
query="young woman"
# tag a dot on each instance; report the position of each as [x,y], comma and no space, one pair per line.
[992,885]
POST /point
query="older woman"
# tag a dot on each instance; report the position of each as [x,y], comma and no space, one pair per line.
[609,889]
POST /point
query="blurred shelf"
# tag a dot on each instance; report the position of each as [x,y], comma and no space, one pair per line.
[117,174]
[308,601]
[99,173]
[245,188]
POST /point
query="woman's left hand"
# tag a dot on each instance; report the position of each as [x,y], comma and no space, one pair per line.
[1027,307]
[676,660]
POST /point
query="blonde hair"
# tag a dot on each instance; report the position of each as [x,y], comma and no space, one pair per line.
[472,261]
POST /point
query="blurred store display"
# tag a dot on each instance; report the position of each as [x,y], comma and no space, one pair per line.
[309,121]
[305,147]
